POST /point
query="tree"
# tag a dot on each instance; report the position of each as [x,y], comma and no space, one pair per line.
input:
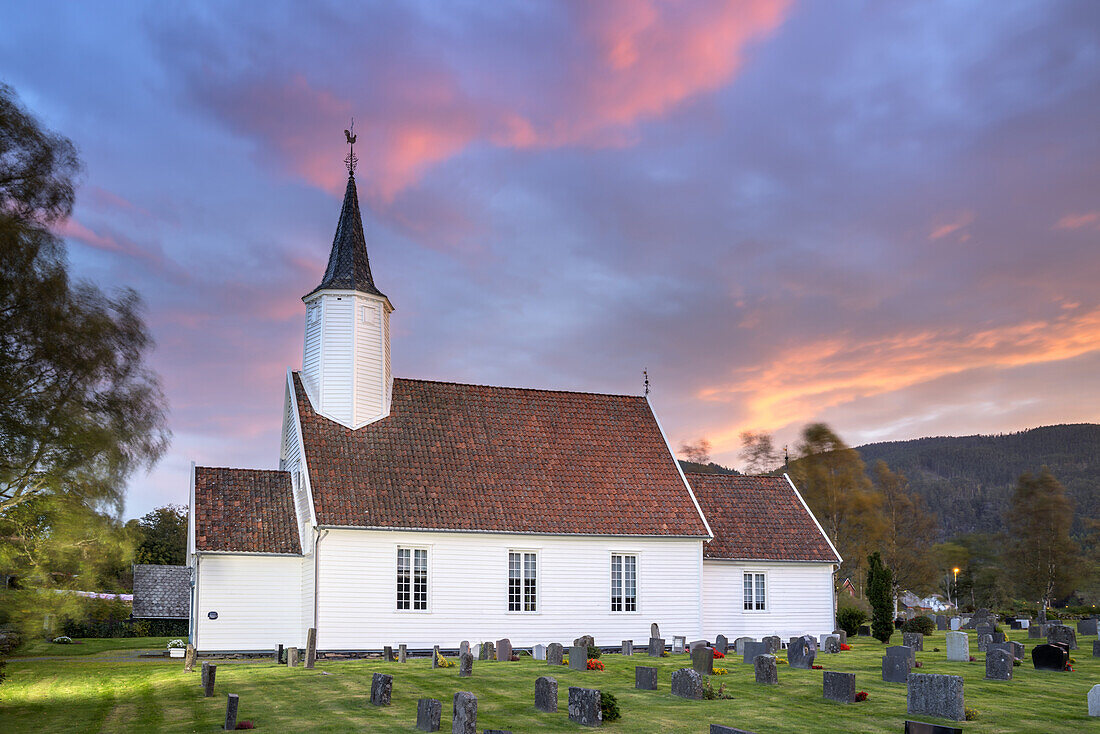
[698,452]
[162,536]
[910,529]
[758,452]
[880,593]
[79,411]
[1044,559]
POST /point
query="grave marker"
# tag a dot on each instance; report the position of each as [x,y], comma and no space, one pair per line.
[554,653]
[1094,700]
[958,647]
[801,652]
[722,644]
[687,683]
[578,657]
[839,687]
[702,659]
[209,673]
[919,727]
[381,687]
[311,648]
[645,679]
[428,713]
[628,647]
[752,649]
[504,649]
[546,694]
[1063,634]
[984,641]
[1049,657]
[435,656]
[584,706]
[656,647]
[1086,627]
[914,640]
[189,658]
[739,644]
[464,713]
[678,644]
[766,670]
[929,694]
[998,665]
[292,657]
[402,653]
[231,703]
[773,643]
[538,652]
[465,664]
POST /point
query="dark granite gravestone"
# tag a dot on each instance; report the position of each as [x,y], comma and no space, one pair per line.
[189,658]
[1015,649]
[791,641]
[1063,634]
[914,640]
[801,652]
[998,665]
[739,644]
[865,630]
[752,649]
[842,635]
[998,636]
[895,668]
[487,651]
[984,641]
[231,703]
[584,706]
[555,653]
[464,713]
[831,645]
[1049,657]
[546,694]
[311,648]
[722,644]
[839,686]
[381,687]
[578,657]
[687,683]
[279,655]
[919,727]
[773,644]
[656,647]
[654,630]
[1086,626]
[941,623]
[1036,631]
[504,649]
[402,653]
[702,660]
[1015,624]
[1096,649]
[292,657]
[717,729]
[428,713]
[766,670]
[387,653]
[465,664]
[435,656]
[628,647]
[645,679]
[941,696]
[209,673]
[902,651]
[984,629]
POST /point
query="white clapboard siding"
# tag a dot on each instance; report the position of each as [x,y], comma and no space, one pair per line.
[799,599]
[468,589]
[369,377]
[307,591]
[257,598]
[311,356]
[337,367]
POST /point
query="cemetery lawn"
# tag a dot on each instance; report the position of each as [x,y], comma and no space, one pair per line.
[65,695]
[91,646]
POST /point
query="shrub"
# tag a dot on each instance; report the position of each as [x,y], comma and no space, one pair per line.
[595,665]
[924,625]
[850,618]
[176,643]
[594,652]
[880,581]
[609,706]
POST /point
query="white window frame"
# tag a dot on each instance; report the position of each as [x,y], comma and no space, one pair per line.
[538,580]
[767,591]
[412,560]
[637,582]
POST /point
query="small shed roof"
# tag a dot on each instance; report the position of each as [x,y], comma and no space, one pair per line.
[162,592]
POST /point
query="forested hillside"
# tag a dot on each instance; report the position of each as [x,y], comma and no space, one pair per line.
[967,480]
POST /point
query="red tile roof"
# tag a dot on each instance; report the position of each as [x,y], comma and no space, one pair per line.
[758,518]
[471,457]
[245,510]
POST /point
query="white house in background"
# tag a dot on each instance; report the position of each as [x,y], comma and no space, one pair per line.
[431,512]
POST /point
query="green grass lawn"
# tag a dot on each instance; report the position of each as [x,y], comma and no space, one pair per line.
[91,646]
[87,695]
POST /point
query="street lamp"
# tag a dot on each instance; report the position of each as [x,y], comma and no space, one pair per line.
[956,589]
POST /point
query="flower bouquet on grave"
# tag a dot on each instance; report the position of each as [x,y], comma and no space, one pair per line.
[844,646]
[719,655]
[861,696]
[815,667]
[720,671]
[443,662]
[595,665]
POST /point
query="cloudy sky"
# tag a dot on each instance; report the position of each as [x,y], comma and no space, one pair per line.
[885,216]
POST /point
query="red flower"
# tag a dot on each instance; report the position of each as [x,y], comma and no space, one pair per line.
[845,646]
[861,696]
[594,664]
[718,655]
[815,667]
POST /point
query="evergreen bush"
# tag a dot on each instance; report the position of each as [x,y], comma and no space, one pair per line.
[879,585]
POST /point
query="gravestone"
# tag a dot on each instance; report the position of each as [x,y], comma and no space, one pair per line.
[919,727]
[402,653]
[189,658]
[1096,649]
[902,651]
[958,647]
[538,652]
[998,665]
[936,695]
[487,652]
[578,657]
[387,653]
[678,643]
[984,629]
[752,649]
[311,648]
[895,668]
[435,656]
[955,624]
[839,687]
[654,630]
[463,646]
[702,659]
[1094,700]
[231,703]
[1086,627]
[1063,634]
[739,644]
[766,670]
[697,643]
[546,694]
[914,640]
[585,641]
[209,673]
[999,637]
[465,664]
[584,706]
[1015,649]
[941,623]
[279,655]
[984,641]
[504,649]
[865,630]
[687,683]
[464,713]
[773,643]
[801,652]
[722,644]
[554,653]
[1036,631]
[831,644]
[381,687]
[842,635]
[628,647]
[1042,619]
[645,679]
[428,713]
[656,647]
[292,657]
[1049,657]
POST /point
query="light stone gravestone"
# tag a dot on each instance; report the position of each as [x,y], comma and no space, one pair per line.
[842,635]
[702,659]
[546,694]
[1063,634]
[739,644]
[929,694]
[839,687]
[464,646]
[402,653]
[381,688]
[628,647]
[752,649]
[504,649]
[687,683]
[678,643]
[189,658]
[998,665]
[984,641]
[584,706]
[311,648]
[656,647]
[914,640]
[538,652]
[956,623]
[773,642]
[292,657]
[464,713]
[554,653]
[958,647]
[465,664]
[578,657]
[1025,624]
[766,670]
[645,679]
[1094,700]
[232,702]
[801,652]
[722,644]
[429,711]
[654,630]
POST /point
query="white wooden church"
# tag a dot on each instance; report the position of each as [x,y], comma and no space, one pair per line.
[420,512]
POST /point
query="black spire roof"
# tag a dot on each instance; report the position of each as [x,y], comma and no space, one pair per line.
[348,265]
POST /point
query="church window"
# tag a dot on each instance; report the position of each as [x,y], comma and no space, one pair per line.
[522,581]
[412,579]
[755,592]
[624,583]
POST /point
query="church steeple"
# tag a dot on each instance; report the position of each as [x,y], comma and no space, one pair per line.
[348,263]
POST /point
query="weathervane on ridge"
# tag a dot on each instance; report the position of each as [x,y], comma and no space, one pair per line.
[351,159]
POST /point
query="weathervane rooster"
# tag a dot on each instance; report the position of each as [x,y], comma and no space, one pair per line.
[351,137]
